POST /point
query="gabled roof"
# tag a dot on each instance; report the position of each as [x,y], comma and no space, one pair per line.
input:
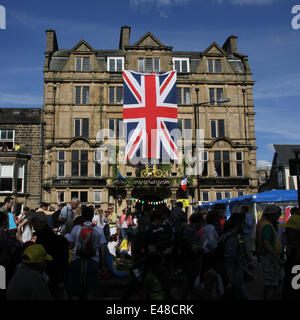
[285,152]
[214,48]
[148,40]
[82,46]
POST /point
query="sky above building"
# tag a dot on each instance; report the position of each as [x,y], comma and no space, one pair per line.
[264,29]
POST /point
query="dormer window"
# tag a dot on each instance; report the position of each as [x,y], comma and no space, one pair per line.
[214,65]
[82,64]
[115,64]
[148,65]
[181,64]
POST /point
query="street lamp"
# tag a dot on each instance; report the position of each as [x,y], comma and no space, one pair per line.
[197,137]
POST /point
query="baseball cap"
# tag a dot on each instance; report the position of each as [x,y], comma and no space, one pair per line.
[35,253]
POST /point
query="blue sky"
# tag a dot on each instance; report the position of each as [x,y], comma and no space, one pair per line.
[263,28]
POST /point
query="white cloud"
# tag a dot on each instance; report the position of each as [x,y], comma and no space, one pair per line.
[263,164]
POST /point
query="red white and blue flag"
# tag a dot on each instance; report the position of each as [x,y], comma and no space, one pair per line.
[183,183]
[150,115]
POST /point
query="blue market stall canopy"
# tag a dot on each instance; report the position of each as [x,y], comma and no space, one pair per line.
[267,196]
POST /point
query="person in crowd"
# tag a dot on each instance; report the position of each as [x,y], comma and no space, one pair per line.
[57,247]
[219,210]
[247,237]
[67,213]
[12,226]
[269,249]
[99,218]
[24,229]
[5,147]
[209,241]
[44,207]
[112,219]
[292,234]
[233,277]
[4,219]
[55,217]
[29,281]
[191,248]
[85,265]
[125,222]
[178,217]
[17,147]
[77,219]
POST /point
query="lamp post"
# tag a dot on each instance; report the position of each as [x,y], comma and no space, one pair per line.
[197,135]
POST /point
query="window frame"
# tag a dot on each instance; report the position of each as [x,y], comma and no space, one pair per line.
[116,130]
[81,58]
[82,97]
[7,140]
[217,128]
[80,162]
[222,164]
[115,64]
[97,162]
[214,101]
[214,65]
[180,64]
[81,127]
[22,178]
[115,95]
[239,162]
[61,161]
[7,177]
[58,196]
[184,95]
[144,69]
[100,193]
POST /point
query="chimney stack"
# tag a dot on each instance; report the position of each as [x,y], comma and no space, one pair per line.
[124,37]
[51,44]
[230,45]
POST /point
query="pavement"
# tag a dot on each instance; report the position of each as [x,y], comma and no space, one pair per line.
[113,288]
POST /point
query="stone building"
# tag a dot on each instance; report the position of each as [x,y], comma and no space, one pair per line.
[83,93]
[21,170]
[279,177]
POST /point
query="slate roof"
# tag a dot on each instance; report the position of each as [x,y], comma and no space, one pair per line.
[285,152]
[20,116]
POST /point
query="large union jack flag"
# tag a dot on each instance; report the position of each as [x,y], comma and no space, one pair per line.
[150,115]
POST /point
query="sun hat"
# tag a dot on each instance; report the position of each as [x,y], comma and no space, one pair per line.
[292,223]
[272,210]
[35,253]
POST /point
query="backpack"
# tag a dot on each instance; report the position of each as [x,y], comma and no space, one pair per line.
[86,246]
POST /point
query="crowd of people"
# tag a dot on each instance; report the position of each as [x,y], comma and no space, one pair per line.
[61,254]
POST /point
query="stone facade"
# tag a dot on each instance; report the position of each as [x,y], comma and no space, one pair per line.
[21,126]
[83,94]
